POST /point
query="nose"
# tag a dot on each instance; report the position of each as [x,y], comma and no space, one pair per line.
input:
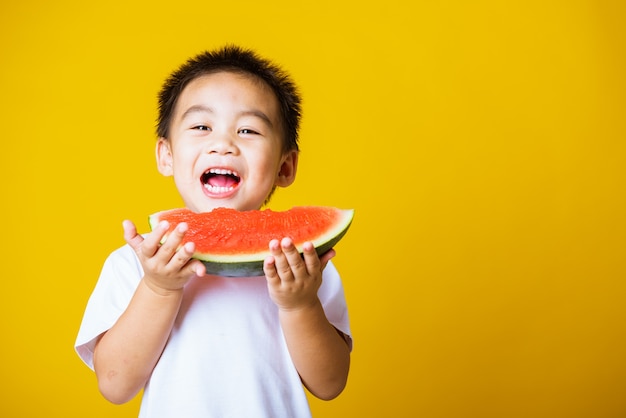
[222,143]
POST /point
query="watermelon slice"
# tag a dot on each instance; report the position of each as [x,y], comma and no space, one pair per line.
[234,243]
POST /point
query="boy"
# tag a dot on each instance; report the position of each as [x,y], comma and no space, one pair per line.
[207,346]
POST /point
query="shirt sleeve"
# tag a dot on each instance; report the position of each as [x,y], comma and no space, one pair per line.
[116,285]
[333,301]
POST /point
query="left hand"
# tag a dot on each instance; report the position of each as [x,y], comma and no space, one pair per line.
[293,280]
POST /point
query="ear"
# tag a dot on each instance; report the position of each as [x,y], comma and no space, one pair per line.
[289,166]
[164,157]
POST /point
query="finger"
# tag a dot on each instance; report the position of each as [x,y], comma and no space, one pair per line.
[152,241]
[131,236]
[277,252]
[183,260]
[197,267]
[296,263]
[281,264]
[311,260]
[173,245]
[174,239]
[183,255]
[269,268]
[326,257]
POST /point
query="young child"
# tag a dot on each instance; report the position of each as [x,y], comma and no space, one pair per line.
[208,346]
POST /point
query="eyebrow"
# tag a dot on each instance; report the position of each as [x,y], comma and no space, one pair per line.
[208,109]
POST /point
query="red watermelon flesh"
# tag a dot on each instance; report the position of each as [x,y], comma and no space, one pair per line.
[235,243]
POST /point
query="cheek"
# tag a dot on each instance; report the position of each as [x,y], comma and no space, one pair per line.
[262,161]
[183,158]
[266,175]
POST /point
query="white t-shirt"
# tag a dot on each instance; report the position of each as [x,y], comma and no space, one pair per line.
[226,355]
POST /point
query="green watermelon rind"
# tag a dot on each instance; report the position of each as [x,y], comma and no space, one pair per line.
[255,268]
[251,265]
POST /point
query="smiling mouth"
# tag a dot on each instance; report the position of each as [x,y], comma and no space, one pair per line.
[220,180]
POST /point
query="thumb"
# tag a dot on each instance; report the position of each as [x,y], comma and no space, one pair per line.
[325,258]
[131,236]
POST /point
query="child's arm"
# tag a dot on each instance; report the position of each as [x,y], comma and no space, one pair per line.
[319,352]
[126,354]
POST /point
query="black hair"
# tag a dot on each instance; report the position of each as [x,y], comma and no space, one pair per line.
[238,60]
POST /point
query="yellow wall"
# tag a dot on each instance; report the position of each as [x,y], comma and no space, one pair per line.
[482,144]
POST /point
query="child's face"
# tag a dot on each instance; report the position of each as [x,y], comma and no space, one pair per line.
[225,145]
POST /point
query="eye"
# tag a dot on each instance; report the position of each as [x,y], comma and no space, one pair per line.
[248,131]
[201,128]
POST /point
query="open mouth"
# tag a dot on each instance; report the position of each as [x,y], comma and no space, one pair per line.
[220,180]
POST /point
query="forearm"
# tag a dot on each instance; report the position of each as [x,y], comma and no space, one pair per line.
[126,354]
[320,354]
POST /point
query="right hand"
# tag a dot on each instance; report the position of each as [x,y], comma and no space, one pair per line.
[167,267]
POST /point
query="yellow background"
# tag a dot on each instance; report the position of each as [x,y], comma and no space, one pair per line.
[482,144]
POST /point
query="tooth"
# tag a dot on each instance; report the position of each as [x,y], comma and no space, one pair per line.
[223,171]
[218,189]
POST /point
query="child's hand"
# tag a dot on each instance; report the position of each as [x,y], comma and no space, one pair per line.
[293,281]
[166,267]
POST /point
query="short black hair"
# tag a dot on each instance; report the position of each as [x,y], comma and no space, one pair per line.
[234,59]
